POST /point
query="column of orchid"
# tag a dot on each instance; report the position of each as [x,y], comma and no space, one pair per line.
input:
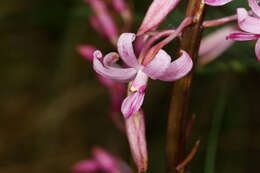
[143,58]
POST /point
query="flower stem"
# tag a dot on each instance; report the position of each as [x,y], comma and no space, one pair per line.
[190,41]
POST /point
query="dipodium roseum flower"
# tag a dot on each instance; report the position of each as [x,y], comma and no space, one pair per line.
[252,27]
[160,68]
[217,2]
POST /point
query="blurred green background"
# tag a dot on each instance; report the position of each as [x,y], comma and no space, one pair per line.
[53,110]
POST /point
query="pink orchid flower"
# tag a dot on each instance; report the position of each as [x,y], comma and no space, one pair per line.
[252,27]
[101,161]
[217,2]
[160,67]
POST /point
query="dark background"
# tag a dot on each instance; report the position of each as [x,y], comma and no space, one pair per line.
[53,110]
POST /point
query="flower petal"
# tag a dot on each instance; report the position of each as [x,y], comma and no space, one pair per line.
[126,50]
[132,104]
[248,23]
[140,82]
[214,45]
[217,2]
[178,68]
[86,166]
[156,13]
[158,65]
[86,51]
[242,36]
[257,50]
[254,6]
[118,74]
[135,129]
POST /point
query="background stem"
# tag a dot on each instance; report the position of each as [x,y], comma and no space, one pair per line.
[175,142]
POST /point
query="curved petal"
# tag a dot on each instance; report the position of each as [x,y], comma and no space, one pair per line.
[257,50]
[126,51]
[158,65]
[118,74]
[178,68]
[132,104]
[248,23]
[242,36]
[254,6]
[217,2]
[140,82]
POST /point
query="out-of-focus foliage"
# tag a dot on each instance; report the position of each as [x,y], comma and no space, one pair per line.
[53,110]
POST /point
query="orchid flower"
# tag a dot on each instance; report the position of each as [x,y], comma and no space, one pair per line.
[101,161]
[116,90]
[214,44]
[217,2]
[160,67]
[249,24]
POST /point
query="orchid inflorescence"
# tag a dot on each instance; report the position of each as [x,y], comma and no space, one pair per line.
[141,57]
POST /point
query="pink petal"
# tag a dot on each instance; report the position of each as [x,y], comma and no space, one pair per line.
[214,45]
[126,51]
[119,5]
[132,104]
[106,161]
[217,2]
[85,166]
[104,18]
[254,6]
[242,36]
[156,13]
[140,82]
[257,50]
[158,65]
[119,74]
[178,68]
[135,129]
[86,51]
[248,23]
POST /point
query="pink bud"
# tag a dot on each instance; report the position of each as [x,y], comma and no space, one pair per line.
[135,129]
[86,166]
[119,5]
[156,13]
[86,51]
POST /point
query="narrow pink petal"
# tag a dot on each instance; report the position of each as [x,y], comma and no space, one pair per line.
[132,104]
[254,6]
[214,45]
[96,25]
[217,2]
[126,50]
[86,51]
[178,68]
[248,23]
[104,18]
[119,74]
[107,162]
[119,5]
[85,166]
[156,13]
[242,36]
[135,129]
[140,82]
[158,65]
[257,50]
